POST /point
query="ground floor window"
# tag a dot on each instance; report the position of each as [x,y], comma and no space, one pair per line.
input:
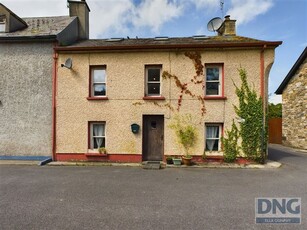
[97,135]
[213,137]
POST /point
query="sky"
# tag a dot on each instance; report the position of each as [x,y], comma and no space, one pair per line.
[270,20]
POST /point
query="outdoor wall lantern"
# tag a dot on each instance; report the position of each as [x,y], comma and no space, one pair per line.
[135,128]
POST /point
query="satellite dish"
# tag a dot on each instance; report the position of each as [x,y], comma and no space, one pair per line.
[214,24]
[68,63]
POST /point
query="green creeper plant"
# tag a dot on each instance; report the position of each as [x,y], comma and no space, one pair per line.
[230,144]
[186,132]
[252,130]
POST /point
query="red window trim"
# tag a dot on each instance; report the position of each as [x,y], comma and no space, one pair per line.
[222,95]
[90,96]
[215,98]
[153,98]
[89,131]
[100,98]
[145,77]
[222,132]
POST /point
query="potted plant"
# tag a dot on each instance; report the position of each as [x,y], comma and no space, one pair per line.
[186,133]
[177,160]
[169,160]
[102,150]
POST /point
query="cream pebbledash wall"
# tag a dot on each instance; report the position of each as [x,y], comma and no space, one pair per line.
[125,92]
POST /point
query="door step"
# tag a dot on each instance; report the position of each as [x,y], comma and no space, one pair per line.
[152,165]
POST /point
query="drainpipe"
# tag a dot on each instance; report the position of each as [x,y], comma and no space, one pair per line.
[54,83]
[262,93]
[262,73]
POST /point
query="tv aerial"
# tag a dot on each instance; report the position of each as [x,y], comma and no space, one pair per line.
[214,24]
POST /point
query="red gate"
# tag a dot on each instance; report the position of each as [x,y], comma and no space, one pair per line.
[275,130]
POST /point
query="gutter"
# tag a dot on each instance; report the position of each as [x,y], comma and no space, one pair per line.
[168,46]
[54,89]
[262,72]
[42,38]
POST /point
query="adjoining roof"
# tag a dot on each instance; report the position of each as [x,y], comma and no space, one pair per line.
[13,14]
[170,43]
[39,28]
[292,71]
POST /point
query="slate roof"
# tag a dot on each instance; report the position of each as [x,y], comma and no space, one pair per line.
[292,71]
[167,43]
[40,27]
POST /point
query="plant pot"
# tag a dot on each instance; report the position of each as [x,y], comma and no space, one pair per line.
[169,161]
[187,160]
[177,161]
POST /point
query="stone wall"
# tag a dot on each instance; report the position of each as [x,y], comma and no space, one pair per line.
[26,96]
[295,110]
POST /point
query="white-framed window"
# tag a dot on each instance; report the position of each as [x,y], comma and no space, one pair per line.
[2,23]
[213,78]
[97,135]
[213,137]
[153,80]
[98,81]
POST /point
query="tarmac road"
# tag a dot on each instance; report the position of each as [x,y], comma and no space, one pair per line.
[89,197]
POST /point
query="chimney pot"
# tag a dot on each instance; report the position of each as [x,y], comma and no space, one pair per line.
[228,27]
[81,10]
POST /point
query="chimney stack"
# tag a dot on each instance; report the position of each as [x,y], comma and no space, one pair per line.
[81,10]
[228,27]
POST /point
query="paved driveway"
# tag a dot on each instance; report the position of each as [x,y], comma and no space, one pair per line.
[50,197]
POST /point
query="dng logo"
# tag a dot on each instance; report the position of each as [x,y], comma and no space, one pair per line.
[278,210]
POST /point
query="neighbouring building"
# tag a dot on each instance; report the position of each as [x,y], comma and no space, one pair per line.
[294,104]
[26,70]
[115,95]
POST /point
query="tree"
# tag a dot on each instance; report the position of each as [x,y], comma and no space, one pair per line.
[275,110]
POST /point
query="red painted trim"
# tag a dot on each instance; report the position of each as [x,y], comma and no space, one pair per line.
[104,98]
[88,134]
[153,98]
[54,90]
[223,80]
[90,97]
[222,135]
[89,123]
[95,155]
[215,98]
[200,159]
[90,82]
[262,73]
[121,158]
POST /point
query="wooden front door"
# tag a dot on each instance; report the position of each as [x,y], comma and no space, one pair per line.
[153,137]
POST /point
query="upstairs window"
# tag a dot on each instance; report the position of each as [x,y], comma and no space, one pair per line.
[153,80]
[213,80]
[2,23]
[98,86]
[97,135]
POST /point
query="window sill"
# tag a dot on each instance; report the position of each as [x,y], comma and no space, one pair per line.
[153,98]
[214,98]
[95,155]
[97,98]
